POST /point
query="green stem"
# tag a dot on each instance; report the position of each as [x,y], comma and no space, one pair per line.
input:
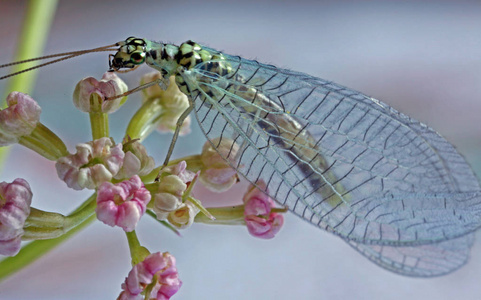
[31,43]
[137,252]
[81,217]
[144,120]
[99,121]
[199,205]
[46,143]
[37,249]
[232,215]
[47,225]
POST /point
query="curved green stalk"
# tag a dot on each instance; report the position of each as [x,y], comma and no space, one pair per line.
[35,29]
[82,217]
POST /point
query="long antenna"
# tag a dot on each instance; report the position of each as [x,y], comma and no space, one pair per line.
[63,56]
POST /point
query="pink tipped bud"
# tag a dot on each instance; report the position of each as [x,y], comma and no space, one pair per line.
[15,201]
[136,160]
[122,204]
[95,162]
[217,174]
[261,222]
[19,118]
[109,86]
[158,271]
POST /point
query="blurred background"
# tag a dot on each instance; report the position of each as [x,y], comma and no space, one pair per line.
[421,57]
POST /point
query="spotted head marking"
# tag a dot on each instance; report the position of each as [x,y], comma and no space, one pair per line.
[131,54]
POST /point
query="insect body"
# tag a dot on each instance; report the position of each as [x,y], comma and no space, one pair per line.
[390,186]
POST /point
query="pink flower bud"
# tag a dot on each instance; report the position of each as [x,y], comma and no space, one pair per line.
[216,174]
[19,118]
[160,265]
[261,222]
[173,183]
[15,201]
[122,204]
[109,86]
[173,103]
[95,162]
[136,160]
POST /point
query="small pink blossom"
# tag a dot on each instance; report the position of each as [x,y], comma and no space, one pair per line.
[174,181]
[109,86]
[15,201]
[261,222]
[94,163]
[136,160]
[19,119]
[167,282]
[217,173]
[122,204]
[173,103]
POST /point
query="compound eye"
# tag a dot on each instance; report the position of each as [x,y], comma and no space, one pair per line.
[137,58]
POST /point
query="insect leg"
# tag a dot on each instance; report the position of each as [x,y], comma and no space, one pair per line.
[160,81]
[179,123]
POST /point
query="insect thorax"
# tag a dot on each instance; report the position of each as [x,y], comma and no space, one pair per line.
[167,58]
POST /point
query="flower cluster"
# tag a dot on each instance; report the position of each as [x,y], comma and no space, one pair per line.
[261,221]
[125,181]
[122,204]
[156,275]
[15,201]
[170,193]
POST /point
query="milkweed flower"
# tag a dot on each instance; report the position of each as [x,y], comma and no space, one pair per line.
[158,272]
[183,217]
[109,86]
[261,222]
[216,173]
[174,181]
[19,119]
[15,201]
[94,163]
[172,100]
[122,204]
[136,160]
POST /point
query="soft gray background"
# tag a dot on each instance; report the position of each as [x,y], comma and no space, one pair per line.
[423,58]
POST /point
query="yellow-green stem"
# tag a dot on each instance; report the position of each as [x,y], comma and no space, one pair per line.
[137,252]
[232,215]
[32,39]
[99,121]
[46,143]
[47,225]
[35,250]
[144,120]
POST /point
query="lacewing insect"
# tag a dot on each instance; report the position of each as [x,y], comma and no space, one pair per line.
[390,186]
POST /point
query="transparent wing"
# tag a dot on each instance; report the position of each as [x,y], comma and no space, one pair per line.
[341,160]
[422,260]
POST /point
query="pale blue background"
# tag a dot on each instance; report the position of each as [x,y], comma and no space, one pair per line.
[423,58]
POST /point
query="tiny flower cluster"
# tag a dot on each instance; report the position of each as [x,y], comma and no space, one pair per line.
[261,221]
[15,201]
[122,176]
[156,275]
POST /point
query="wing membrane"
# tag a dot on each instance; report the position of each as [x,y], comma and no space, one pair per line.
[339,159]
[420,261]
